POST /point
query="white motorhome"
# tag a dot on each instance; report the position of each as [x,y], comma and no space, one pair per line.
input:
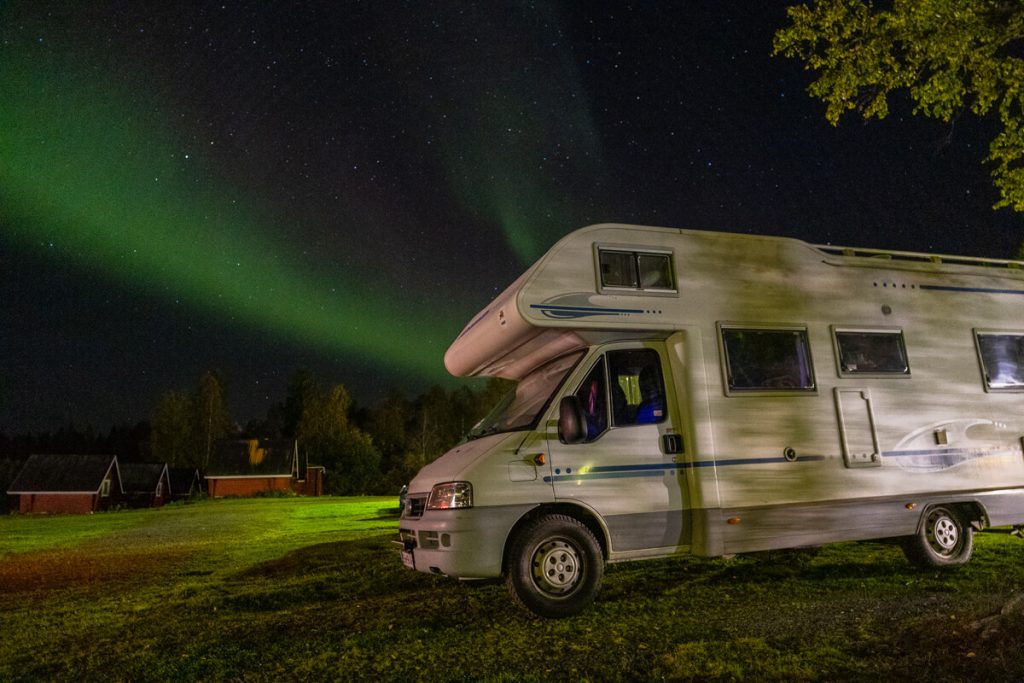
[687,391]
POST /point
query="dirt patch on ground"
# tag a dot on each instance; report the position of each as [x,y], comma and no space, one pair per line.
[83,569]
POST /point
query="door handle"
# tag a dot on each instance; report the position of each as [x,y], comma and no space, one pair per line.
[672,443]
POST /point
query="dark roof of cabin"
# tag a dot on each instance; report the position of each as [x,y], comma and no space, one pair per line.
[252,458]
[140,477]
[62,473]
[183,479]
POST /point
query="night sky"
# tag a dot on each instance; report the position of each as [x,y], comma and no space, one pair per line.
[260,187]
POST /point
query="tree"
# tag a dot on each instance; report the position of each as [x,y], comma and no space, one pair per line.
[952,57]
[173,435]
[212,421]
[303,388]
[324,432]
[387,424]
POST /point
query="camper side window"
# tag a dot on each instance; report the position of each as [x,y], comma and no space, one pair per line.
[874,352]
[767,360]
[641,270]
[637,388]
[105,488]
[1002,360]
[592,396]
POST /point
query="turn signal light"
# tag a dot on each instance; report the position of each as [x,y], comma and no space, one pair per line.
[539,459]
[734,520]
[910,506]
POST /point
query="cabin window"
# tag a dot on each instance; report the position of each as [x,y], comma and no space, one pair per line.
[763,360]
[1002,360]
[641,270]
[592,396]
[105,488]
[631,381]
[873,352]
[637,388]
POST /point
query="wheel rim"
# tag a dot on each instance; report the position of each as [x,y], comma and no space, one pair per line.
[943,533]
[557,569]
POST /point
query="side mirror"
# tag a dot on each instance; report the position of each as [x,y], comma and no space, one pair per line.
[572,421]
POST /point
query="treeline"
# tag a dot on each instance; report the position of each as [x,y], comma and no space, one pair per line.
[366,449]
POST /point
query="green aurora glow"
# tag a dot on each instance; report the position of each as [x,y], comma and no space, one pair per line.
[525,138]
[87,169]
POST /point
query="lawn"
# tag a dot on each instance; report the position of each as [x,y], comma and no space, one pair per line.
[294,588]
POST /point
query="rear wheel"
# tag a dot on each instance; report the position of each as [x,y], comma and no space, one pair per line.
[944,539]
[555,566]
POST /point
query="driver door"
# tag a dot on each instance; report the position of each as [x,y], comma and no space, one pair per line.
[626,469]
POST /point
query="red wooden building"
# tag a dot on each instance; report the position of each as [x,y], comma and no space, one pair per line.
[146,484]
[66,484]
[245,468]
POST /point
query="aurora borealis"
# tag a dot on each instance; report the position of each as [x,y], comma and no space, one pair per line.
[118,198]
[257,187]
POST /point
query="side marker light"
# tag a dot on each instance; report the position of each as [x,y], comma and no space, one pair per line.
[734,520]
[539,459]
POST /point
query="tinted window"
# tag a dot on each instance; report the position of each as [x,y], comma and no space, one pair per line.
[618,269]
[655,271]
[637,388]
[872,353]
[767,360]
[1002,360]
[521,407]
[592,396]
[636,270]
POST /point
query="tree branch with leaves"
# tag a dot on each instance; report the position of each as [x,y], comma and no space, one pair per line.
[951,56]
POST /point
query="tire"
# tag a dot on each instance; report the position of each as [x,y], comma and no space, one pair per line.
[943,539]
[554,566]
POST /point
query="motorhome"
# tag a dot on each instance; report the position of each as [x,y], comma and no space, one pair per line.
[684,391]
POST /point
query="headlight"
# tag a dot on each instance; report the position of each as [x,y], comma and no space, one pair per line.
[451,495]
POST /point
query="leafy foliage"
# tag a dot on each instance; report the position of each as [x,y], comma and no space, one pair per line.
[951,56]
[173,436]
[211,413]
[185,426]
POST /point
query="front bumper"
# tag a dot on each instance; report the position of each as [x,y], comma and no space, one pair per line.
[465,544]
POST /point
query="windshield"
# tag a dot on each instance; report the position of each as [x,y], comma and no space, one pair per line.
[521,407]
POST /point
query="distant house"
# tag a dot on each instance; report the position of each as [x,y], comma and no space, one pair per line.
[245,468]
[313,484]
[185,482]
[146,484]
[8,471]
[67,484]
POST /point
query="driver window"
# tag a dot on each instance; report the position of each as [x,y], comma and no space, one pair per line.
[592,397]
[637,388]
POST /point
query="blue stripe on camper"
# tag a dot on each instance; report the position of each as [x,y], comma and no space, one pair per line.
[933,458]
[659,469]
[983,290]
[943,458]
[565,312]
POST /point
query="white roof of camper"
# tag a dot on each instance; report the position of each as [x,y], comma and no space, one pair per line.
[558,304]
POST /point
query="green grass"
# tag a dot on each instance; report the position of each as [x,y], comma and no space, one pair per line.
[299,589]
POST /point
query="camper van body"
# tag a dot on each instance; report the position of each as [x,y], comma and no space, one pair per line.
[808,395]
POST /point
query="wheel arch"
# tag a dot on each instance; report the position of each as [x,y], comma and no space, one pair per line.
[972,512]
[580,513]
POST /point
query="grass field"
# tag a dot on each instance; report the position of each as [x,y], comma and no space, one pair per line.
[311,589]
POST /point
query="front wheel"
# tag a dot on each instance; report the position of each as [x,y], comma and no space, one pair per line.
[555,566]
[943,540]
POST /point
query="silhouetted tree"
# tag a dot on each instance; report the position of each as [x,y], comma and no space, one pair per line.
[324,432]
[211,418]
[173,436]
